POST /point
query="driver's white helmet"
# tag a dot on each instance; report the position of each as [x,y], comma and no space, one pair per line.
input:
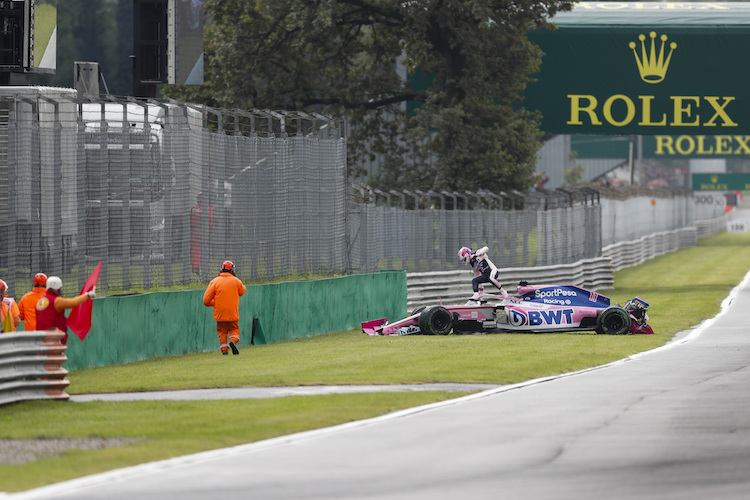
[464,254]
[54,283]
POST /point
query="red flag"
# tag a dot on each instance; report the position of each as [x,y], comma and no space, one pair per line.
[79,320]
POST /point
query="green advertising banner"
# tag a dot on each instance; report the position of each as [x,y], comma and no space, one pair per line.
[647,68]
[663,146]
[721,182]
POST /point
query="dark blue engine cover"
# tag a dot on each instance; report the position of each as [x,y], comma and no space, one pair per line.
[566,295]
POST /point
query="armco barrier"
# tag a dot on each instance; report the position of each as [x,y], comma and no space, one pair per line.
[454,287]
[142,326]
[31,366]
[712,226]
[632,253]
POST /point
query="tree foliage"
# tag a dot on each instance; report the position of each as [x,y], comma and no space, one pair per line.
[466,129]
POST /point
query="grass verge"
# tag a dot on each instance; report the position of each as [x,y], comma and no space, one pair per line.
[166,429]
[683,288]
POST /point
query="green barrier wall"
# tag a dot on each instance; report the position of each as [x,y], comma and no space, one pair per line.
[136,327]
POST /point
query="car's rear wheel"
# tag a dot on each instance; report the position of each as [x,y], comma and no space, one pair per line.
[436,320]
[613,321]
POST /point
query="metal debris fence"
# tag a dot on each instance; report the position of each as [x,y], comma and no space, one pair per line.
[631,214]
[420,232]
[162,192]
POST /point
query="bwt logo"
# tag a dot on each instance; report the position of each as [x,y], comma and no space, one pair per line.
[536,318]
[555,293]
[517,318]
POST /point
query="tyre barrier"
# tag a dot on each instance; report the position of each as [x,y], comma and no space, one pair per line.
[31,366]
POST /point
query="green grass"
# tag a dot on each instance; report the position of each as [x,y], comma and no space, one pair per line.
[166,429]
[683,288]
[354,358]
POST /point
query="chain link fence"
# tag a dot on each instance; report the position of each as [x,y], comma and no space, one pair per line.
[422,232]
[635,212]
[162,192]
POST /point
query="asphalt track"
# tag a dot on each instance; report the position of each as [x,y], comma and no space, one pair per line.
[672,423]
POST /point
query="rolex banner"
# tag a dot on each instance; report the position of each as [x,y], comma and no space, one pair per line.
[721,182]
[661,68]
[663,146]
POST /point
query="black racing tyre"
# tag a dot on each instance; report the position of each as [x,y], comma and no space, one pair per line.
[436,320]
[418,310]
[613,321]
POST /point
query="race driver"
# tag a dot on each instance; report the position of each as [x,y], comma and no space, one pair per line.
[484,270]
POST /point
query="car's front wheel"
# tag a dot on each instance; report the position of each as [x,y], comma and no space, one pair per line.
[613,321]
[436,320]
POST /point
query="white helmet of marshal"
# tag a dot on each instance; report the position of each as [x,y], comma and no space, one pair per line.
[54,283]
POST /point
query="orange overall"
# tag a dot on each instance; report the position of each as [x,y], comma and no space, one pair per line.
[223,294]
[27,307]
[8,320]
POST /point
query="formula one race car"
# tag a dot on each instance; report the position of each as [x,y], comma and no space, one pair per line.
[537,309]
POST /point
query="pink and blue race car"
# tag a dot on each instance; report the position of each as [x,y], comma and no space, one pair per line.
[536,309]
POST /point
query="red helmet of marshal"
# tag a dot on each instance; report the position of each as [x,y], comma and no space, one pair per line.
[227,267]
[40,280]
